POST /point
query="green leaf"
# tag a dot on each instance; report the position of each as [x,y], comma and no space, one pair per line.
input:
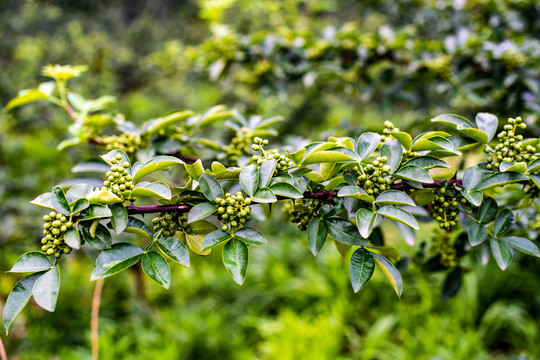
[388,252]
[119,257]
[367,143]
[317,232]
[390,272]
[72,238]
[503,223]
[235,258]
[535,179]
[157,269]
[487,123]
[454,121]
[475,134]
[45,289]
[157,188]
[202,227]
[474,197]
[119,217]
[524,245]
[264,195]
[195,241]
[355,192]
[499,178]
[427,162]
[344,231]
[112,155]
[157,163]
[102,239]
[43,200]
[472,177]
[451,284]
[80,205]
[394,152]
[286,189]
[520,167]
[266,171]
[173,248]
[195,170]
[250,236]
[25,97]
[365,220]
[77,192]
[487,211]
[59,201]
[95,212]
[249,179]
[326,156]
[404,138]
[501,252]
[400,215]
[103,197]
[136,226]
[214,239]
[414,173]
[18,298]
[210,187]
[362,267]
[32,261]
[200,211]
[534,166]
[394,197]
[477,234]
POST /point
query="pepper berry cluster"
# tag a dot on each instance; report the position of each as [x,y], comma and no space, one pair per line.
[373,179]
[239,145]
[119,182]
[389,128]
[233,210]
[165,222]
[283,162]
[127,142]
[445,207]
[510,147]
[54,229]
[445,247]
[300,212]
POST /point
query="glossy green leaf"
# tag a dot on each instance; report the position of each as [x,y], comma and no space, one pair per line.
[325,156]
[427,162]
[390,272]
[394,197]
[95,211]
[365,220]
[394,152]
[214,239]
[362,267]
[502,254]
[474,197]
[535,179]
[157,269]
[266,171]
[77,192]
[404,139]
[32,261]
[524,245]
[43,200]
[18,298]
[452,283]
[25,97]
[388,252]
[503,223]
[534,166]
[157,163]
[367,143]
[472,177]
[454,121]
[317,232]
[520,167]
[46,288]
[487,211]
[499,179]
[249,179]
[174,249]
[355,192]
[102,239]
[79,206]
[400,215]
[201,211]
[119,217]
[250,236]
[112,155]
[235,258]
[210,187]
[59,201]
[136,226]
[286,189]
[344,231]
[157,188]
[119,257]
[488,123]
[264,195]
[414,173]
[195,170]
[103,197]
[477,234]
[475,134]
[72,238]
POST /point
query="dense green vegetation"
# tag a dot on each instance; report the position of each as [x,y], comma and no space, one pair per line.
[291,303]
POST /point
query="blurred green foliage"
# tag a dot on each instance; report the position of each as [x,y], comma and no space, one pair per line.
[292,304]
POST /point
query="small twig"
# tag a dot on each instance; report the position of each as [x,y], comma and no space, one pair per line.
[3,355]
[94,325]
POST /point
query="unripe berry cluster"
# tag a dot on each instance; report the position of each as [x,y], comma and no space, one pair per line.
[373,179]
[445,207]
[234,210]
[239,145]
[54,228]
[127,142]
[300,213]
[510,147]
[389,128]
[165,222]
[445,246]
[119,182]
[283,162]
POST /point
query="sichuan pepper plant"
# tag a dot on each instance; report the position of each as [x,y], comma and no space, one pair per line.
[336,190]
